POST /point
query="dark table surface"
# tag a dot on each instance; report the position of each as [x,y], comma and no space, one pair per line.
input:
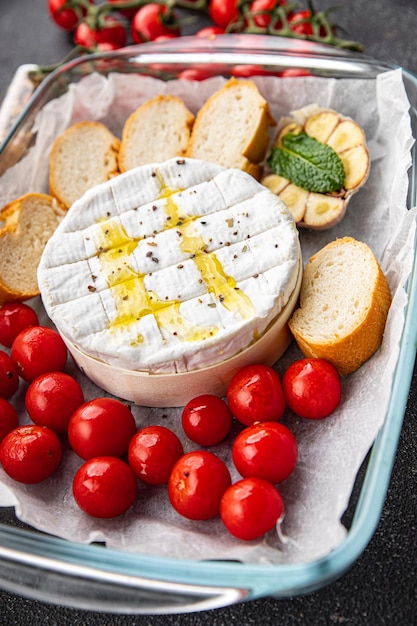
[381,588]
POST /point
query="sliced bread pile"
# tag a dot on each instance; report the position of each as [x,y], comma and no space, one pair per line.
[344,303]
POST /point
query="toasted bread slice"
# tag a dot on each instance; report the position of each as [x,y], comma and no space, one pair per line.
[344,303]
[157,131]
[25,226]
[83,156]
[232,128]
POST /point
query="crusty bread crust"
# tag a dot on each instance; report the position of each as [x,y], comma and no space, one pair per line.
[344,303]
[158,130]
[232,128]
[84,155]
[25,226]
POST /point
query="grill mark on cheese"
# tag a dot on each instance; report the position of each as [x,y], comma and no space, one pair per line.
[133,300]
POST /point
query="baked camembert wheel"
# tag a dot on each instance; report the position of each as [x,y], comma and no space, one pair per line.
[170,267]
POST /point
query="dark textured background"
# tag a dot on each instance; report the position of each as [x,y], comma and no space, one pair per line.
[380,589]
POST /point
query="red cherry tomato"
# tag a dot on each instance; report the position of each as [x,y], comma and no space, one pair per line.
[15,317]
[223,12]
[267,450]
[210,31]
[37,350]
[250,508]
[65,18]
[206,420]
[255,394]
[101,427]
[52,398]
[244,71]
[197,483]
[312,388]
[300,23]
[9,418]
[113,32]
[293,72]
[152,21]
[9,376]
[104,487]
[30,454]
[195,73]
[262,7]
[153,452]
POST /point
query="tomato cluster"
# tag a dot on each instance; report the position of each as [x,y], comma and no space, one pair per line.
[106,26]
[116,453]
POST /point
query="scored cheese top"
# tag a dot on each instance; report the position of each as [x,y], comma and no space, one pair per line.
[170,267]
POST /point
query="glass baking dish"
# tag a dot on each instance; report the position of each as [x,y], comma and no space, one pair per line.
[94,577]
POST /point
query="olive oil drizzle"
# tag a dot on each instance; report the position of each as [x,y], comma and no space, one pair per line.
[132,299]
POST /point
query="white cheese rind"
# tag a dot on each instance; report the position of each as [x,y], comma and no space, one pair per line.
[170,267]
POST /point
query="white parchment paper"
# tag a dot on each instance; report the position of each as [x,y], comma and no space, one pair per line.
[330,451]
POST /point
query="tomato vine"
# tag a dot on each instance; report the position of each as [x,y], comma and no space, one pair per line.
[109,25]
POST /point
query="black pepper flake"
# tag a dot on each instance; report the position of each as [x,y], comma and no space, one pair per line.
[179,223]
[203,223]
[120,251]
[125,298]
[180,266]
[227,243]
[179,233]
[256,275]
[192,256]
[153,174]
[180,162]
[91,288]
[236,288]
[221,298]
[93,277]
[148,254]
[169,218]
[154,207]
[108,213]
[235,256]
[155,259]
[106,232]
[235,232]
[175,333]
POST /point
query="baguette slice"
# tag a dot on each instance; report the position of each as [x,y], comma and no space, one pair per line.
[344,303]
[158,130]
[232,128]
[25,226]
[83,156]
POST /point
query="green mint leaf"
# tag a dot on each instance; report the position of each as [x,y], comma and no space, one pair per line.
[308,163]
